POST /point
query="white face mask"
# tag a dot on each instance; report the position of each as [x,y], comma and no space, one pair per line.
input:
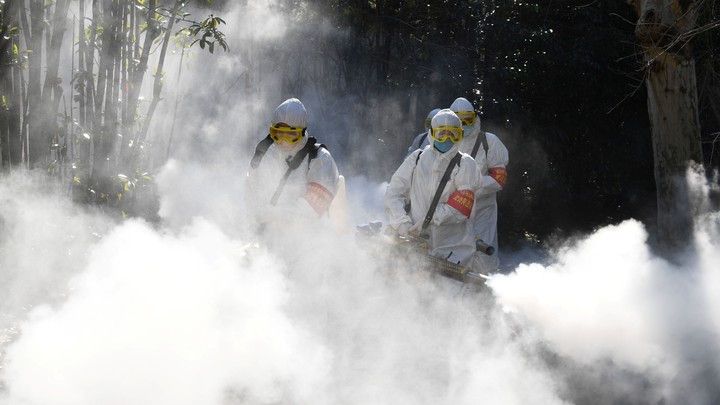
[288,148]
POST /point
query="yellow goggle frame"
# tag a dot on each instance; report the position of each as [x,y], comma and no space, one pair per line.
[442,134]
[467,117]
[288,134]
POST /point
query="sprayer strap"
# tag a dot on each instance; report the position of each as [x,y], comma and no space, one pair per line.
[293,164]
[482,137]
[260,150]
[441,187]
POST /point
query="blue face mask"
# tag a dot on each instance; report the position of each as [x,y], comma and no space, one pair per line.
[443,146]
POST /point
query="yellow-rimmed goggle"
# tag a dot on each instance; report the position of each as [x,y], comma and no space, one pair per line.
[288,134]
[442,134]
[467,117]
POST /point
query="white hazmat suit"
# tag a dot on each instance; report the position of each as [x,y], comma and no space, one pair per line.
[450,232]
[308,190]
[492,166]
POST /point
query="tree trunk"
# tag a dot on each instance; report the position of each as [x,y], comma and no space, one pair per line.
[37,141]
[157,87]
[51,90]
[673,112]
[10,111]
[136,79]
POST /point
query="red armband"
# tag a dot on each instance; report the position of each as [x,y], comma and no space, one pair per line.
[499,174]
[318,197]
[462,200]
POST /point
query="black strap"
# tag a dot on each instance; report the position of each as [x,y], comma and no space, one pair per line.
[482,137]
[433,205]
[315,150]
[260,150]
[293,164]
[408,204]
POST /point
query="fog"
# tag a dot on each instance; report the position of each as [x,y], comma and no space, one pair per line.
[198,308]
[118,312]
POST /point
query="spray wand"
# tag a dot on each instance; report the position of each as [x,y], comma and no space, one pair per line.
[371,236]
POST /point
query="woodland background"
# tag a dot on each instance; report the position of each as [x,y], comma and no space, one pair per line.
[561,82]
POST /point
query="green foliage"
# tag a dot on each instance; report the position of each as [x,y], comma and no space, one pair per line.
[121,196]
[210,33]
[83,152]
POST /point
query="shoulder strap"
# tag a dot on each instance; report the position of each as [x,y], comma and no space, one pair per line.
[260,150]
[293,164]
[314,151]
[407,204]
[433,205]
[482,137]
[296,160]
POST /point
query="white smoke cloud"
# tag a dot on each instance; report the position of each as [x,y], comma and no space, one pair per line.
[198,309]
[195,311]
[188,314]
[214,191]
[584,296]
[44,239]
[166,319]
[609,299]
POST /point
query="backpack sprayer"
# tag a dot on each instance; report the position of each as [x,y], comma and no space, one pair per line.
[370,236]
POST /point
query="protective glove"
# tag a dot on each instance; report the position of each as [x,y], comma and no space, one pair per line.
[404,228]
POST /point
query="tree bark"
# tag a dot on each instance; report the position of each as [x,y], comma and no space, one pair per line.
[673,112]
[10,111]
[38,138]
[136,79]
[157,85]
[51,90]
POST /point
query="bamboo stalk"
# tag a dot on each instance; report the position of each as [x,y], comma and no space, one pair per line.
[157,85]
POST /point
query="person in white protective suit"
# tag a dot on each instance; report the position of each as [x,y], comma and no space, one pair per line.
[492,159]
[450,231]
[421,140]
[290,173]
